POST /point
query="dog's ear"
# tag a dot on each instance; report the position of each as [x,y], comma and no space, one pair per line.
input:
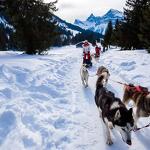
[117,115]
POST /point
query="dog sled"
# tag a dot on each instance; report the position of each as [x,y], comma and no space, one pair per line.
[95,55]
[97,51]
[87,62]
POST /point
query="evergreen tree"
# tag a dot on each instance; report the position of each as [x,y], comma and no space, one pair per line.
[32,20]
[144,35]
[115,34]
[86,35]
[63,37]
[108,34]
[3,38]
[133,17]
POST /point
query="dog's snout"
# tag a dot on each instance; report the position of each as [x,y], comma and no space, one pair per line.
[129,142]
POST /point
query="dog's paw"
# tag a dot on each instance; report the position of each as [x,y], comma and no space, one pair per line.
[85,85]
[109,142]
[110,125]
[135,127]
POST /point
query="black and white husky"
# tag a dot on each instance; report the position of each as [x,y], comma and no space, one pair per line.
[103,71]
[84,75]
[114,113]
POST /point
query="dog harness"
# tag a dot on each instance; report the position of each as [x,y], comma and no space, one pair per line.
[138,89]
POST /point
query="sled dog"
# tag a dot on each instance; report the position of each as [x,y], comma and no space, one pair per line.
[113,113]
[84,75]
[104,72]
[141,98]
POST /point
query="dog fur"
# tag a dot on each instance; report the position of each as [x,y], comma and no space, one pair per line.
[103,71]
[84,75]
[113,113]
[140,99]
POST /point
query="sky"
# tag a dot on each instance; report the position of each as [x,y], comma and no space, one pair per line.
[70,10]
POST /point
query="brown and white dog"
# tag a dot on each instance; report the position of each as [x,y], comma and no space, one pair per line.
[141,98]
[84,75]
[103,71]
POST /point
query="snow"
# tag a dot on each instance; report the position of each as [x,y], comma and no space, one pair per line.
[74,32]
[5,23]
[63,24]
[45,107]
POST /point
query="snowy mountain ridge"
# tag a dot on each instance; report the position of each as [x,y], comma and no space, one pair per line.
[67,26]
[99,23]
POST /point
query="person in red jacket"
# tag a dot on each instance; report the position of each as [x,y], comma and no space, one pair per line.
[97,51]
[86,53]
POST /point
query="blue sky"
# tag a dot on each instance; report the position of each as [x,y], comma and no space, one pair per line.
[81,9]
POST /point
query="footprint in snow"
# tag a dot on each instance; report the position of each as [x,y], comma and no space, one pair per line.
[30,122]
[60,143]
[6,92]
[44,89]
[7,123]
[39,97]
[128,66]
[144,63]
[138,77]
[61,123]
[28,142]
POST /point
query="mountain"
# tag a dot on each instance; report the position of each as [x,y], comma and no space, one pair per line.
[99,23]
[67,26]
[73,33]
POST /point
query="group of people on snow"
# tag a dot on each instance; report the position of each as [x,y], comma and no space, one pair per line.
[87,54]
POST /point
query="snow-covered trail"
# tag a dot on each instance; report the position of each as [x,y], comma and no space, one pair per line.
[43,104]
[45,107]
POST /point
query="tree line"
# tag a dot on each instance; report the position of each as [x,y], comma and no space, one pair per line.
[134,31]
[33,25]
[86,35]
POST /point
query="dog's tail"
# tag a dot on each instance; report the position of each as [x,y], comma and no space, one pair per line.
[99,82]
